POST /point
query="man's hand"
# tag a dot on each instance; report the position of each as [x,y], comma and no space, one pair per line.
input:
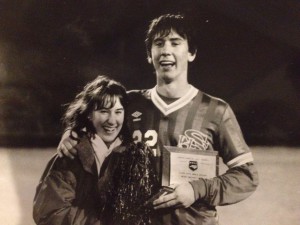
[66,145]
[183,196]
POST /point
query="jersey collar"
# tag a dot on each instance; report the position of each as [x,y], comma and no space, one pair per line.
[166,109]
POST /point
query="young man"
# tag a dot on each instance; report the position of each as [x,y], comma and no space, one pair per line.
[175,113]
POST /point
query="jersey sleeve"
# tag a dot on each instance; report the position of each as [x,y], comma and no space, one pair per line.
[55,202]
[241,179]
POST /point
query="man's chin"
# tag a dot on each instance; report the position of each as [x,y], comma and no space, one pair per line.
[166,76]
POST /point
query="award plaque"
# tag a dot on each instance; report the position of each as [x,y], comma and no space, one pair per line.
[183,165]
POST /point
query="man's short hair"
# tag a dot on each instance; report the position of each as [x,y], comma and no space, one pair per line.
[163,25]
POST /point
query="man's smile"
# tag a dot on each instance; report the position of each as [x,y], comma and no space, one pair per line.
[166,63]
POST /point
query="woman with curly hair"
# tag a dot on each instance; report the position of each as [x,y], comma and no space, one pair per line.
[68,192]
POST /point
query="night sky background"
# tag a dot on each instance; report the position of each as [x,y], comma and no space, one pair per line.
[248,55]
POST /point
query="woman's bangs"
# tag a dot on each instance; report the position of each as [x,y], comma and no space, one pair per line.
[106,101]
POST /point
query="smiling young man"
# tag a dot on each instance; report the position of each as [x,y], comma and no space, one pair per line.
[175,113]
[170,56]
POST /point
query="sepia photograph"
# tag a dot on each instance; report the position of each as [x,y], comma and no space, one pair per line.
[123,112]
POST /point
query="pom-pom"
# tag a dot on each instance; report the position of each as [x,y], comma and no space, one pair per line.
[134,182]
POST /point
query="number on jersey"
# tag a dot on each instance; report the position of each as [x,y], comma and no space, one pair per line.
[150,138]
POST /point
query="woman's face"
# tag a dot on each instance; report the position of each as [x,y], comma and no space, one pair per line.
[108,122]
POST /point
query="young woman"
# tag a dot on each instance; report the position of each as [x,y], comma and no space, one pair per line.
[67,193]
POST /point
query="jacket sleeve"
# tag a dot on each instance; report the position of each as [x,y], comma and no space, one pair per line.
[241,179]
[55,201]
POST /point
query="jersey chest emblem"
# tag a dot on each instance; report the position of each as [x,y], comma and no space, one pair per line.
[136,116]
[193,139]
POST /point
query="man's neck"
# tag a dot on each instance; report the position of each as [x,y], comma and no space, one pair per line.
[173,90]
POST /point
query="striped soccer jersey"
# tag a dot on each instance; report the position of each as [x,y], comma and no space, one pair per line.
[196,120]
[199,121]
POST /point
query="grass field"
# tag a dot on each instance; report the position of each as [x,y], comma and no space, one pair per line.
[276,201]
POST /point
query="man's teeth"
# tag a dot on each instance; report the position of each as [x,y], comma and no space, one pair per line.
[167,63]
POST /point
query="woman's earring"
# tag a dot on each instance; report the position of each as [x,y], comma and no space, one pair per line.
[149,60]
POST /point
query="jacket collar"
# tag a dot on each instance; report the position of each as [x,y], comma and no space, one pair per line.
[86,155]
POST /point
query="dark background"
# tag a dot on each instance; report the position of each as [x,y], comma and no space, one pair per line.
[249,55]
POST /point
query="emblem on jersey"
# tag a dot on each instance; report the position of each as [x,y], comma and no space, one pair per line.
[193,165]
[193,139]
[136,116]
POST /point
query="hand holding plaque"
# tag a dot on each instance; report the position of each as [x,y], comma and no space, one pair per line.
[184,165]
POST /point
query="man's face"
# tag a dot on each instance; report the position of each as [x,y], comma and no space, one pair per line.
[170,56]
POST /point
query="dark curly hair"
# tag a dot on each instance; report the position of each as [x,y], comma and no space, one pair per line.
[99,93]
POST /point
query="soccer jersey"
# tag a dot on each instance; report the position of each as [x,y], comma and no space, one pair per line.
[195,121]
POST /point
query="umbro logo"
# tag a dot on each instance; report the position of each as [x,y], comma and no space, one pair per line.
[136,116]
